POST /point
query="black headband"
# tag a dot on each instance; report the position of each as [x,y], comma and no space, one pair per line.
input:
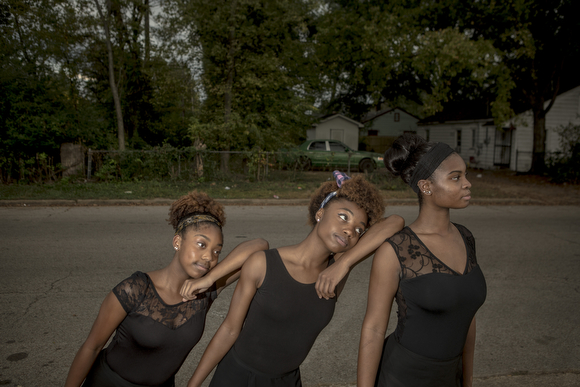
[429,163]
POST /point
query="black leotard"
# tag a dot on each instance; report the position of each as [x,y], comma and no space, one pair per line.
[283,321]
[154,339]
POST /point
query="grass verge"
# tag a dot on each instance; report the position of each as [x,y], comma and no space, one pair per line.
[280,184]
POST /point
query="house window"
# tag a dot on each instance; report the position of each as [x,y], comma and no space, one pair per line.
[473,142]
[458,147]
[373,132]
[397,117]
[427,134]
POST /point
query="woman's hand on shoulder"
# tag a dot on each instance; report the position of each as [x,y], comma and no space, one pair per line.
[192,287]
[329,279]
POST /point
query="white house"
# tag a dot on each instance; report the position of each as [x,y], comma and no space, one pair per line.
[565,111]
[384,126]
[337,127]
[482,145]
[390,122]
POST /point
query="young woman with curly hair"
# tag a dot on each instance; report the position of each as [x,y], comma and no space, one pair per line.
[155,327]
[429,268]
[276,314]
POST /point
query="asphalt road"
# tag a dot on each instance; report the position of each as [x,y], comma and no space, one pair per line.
[58,263]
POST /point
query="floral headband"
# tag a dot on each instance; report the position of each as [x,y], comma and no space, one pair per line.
[340,178]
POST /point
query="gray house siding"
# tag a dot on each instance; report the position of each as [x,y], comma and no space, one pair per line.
[337,127]
[392,123]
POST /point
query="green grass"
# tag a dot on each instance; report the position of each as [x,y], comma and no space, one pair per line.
[283,184]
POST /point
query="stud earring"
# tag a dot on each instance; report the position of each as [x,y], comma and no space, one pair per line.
[318,220]
[175,247]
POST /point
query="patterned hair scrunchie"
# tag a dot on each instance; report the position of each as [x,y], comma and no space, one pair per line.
[340,178]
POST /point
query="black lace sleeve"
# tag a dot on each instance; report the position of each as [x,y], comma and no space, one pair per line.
[130,292]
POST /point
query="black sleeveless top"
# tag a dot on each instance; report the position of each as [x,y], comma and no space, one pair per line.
[283,321]
[435,304]
[152,342]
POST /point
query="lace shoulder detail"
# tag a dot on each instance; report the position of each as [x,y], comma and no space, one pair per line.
[137,294]
[130,291]
[175,316]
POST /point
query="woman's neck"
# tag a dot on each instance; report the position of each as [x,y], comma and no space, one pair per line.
[311,252]
[170,278]
[432,220]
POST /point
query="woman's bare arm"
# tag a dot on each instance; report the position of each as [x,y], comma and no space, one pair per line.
[383,286]
[110,316]
[253,273]
[225,272]
[368,243]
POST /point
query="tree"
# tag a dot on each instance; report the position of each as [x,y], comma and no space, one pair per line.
[41,102]
[538,45]
[384,52]
[105,19]
[254,66]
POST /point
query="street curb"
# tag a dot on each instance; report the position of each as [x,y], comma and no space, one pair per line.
[229,202]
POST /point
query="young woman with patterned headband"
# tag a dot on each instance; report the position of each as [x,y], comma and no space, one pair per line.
[276,314]
[155,328]
[429,268]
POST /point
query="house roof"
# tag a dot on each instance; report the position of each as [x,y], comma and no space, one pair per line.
[460,111]
[338,115]
[372,115]
[473,111]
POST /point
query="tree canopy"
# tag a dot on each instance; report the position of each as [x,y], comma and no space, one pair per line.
[255,74]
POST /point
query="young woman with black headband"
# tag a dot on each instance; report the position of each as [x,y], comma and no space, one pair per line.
[429,268]
[155,327]
[276,314]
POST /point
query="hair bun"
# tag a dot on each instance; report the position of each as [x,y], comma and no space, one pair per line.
[402,157]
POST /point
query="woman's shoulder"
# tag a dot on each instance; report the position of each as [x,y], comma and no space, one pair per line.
[399,237]
[463,230]
[136,283]
[131,290]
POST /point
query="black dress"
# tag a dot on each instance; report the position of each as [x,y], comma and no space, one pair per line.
[152,342]
[435,308]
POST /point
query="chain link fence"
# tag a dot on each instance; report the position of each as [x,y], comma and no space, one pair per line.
[191,164]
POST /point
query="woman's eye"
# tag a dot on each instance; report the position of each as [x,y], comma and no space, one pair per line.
[343,217]
[201,244]
[359,231]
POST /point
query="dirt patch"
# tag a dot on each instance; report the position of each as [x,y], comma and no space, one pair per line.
[506,184]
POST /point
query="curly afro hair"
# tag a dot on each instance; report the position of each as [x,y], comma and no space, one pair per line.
[195,203]
[357,190]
